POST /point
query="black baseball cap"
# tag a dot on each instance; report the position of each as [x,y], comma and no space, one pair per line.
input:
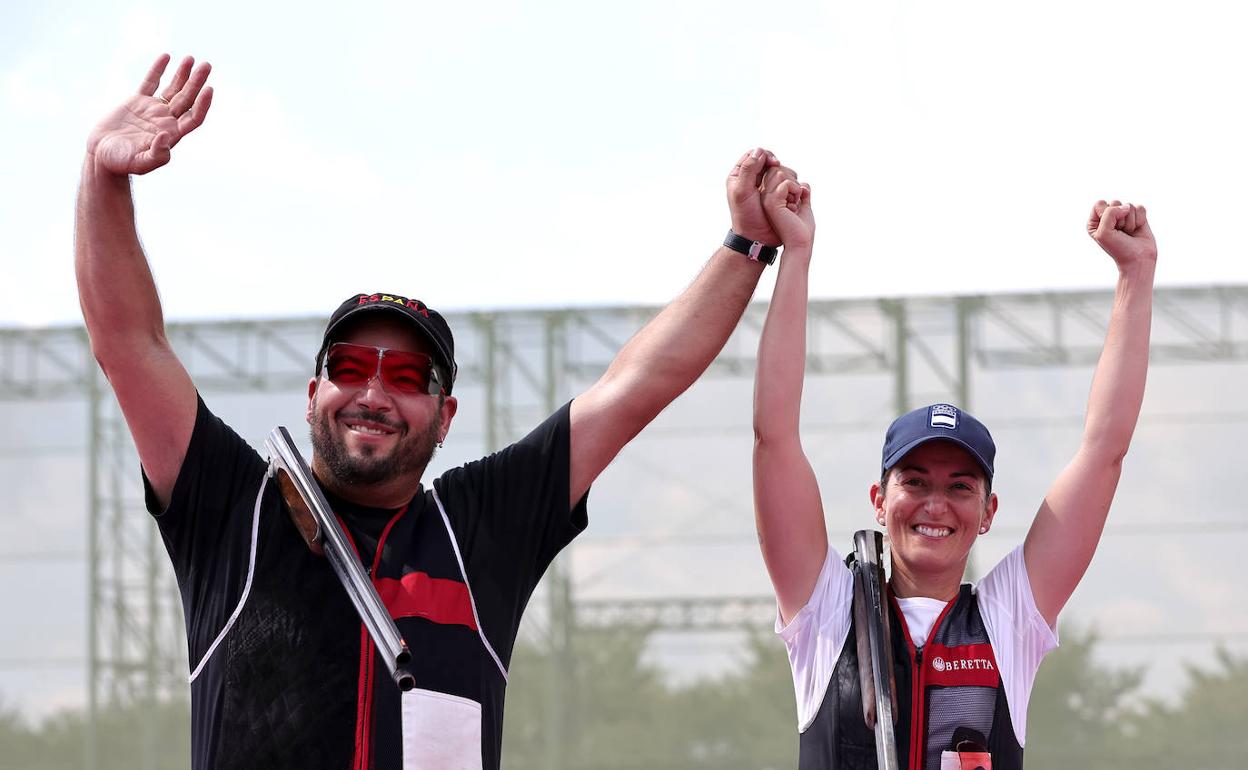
[427,321]
[938,421]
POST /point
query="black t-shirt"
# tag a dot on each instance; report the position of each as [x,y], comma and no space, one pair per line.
[279,674]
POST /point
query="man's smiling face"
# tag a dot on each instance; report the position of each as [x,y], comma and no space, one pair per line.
[371,433]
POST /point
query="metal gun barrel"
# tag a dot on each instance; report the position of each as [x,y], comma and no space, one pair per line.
[869,574]
[284,457]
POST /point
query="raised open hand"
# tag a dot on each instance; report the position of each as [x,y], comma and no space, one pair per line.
[787,205]
[745,201]
[136,137]
[1122,230]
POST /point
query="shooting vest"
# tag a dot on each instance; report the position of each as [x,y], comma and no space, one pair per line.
[303,684]
[951,682]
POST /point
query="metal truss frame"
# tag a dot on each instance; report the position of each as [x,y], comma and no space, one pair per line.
[527,362]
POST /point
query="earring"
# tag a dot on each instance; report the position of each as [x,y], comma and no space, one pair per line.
[982,530]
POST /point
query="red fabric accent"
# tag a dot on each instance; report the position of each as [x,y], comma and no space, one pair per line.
[363,759]
[416,595]
[918,703]
[967,664]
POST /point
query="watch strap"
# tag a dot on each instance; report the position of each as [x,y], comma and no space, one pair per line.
[757,251]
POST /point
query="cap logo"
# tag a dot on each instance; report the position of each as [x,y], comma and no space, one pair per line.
[410,304]
[943,416]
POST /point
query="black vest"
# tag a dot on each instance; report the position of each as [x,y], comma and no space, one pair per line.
[303,683]
[951,682]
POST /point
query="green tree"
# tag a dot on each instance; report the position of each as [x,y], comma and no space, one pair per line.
[59,742]
[624,715]
[1081,710]
[619,711]
[19,745]
[747,718]
[1207,728]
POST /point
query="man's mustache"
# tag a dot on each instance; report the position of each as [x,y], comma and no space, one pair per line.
[380,418]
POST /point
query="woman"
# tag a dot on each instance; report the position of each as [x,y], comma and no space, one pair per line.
[964,657]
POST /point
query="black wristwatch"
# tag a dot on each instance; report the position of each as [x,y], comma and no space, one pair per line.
[757,251]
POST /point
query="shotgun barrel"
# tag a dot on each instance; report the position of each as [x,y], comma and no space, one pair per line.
[320,530]
[875,646]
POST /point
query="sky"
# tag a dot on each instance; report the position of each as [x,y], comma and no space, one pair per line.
[499,155]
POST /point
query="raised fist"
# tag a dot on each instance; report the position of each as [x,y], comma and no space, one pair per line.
[787,205]
[1122,231]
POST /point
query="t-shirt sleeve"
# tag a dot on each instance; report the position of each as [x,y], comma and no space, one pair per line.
[816,634]
[1019,634]
[511,515]
[207,526]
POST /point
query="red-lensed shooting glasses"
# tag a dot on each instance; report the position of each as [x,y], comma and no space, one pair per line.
[352,366]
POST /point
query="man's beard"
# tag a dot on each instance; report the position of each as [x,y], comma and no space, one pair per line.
[409,456]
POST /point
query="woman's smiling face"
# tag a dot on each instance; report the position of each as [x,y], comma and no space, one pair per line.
[936,502]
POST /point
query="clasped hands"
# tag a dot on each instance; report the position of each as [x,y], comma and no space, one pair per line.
[768,203]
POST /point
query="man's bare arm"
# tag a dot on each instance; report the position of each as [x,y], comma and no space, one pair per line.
[115,287]
[1068,526]
[663,359]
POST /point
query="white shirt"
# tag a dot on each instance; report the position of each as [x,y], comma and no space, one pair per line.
[1019,635]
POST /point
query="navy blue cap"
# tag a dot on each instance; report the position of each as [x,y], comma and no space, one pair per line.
[938,421]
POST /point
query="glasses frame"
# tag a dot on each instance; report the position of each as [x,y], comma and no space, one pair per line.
[434,387]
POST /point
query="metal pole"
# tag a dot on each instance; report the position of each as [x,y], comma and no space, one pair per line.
[492,439]
[962,321]
[116,661]
[152,661]
[91,744]
[561,663]
[962,326]
[901,366]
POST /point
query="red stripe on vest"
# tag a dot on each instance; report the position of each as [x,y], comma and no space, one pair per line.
[960,666]
[416,595]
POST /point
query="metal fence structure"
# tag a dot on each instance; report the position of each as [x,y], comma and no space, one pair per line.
[1019,361]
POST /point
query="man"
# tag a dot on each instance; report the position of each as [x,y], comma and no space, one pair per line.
[282,671]
[964,658]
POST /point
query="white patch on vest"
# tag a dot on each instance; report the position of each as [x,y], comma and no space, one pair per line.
[440,731]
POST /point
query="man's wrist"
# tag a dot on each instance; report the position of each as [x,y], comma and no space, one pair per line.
[93,174]
[756,251]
